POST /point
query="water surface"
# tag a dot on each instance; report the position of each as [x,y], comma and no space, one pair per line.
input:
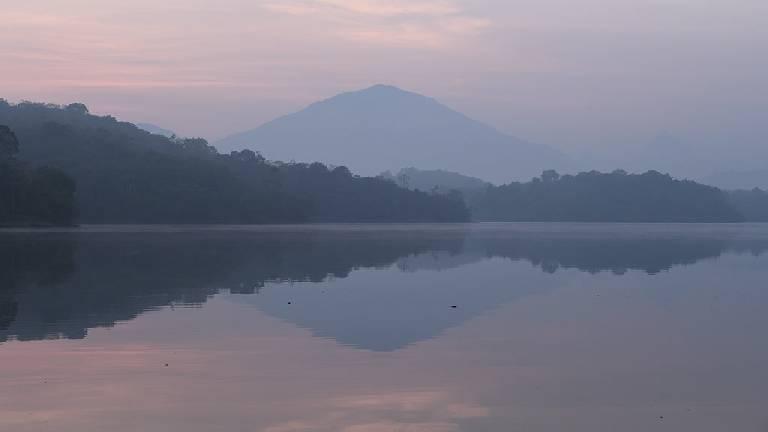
[374,328]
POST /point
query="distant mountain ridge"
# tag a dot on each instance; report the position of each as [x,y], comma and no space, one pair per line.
[383,127]
[155,129]
[435,180]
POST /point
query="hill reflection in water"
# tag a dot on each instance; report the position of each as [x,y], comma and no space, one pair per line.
[379,288]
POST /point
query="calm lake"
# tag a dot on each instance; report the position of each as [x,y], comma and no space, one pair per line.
[379,328]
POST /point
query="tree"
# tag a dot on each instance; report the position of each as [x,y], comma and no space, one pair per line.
[550,176]
[9,144]
[404,180]
[196,146]
[77,108]
[32,195]
[342,171]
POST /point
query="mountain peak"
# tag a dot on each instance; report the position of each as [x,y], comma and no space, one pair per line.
[386,90]
[383,127]
[382,88]
[375,96]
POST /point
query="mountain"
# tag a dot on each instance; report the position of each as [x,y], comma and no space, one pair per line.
[440,181]
[383,127]
[154,129]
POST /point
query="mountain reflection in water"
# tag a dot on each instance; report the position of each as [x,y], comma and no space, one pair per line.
[368,328]
[60,284]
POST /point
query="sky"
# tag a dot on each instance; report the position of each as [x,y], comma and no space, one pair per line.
[587,76]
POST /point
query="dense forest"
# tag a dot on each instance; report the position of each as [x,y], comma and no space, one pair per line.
[32,195]
[753,204]
[61,165]
[127,175]
[440,181]
[603,197]
[592,197]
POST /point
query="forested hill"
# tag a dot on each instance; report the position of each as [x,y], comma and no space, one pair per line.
[32,195]
[123,174]
[604,197]
[127,175]
[753,204]
[435,180]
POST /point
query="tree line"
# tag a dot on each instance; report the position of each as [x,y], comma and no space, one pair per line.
[604,197]
[126,175]
[596,197]
[60,165]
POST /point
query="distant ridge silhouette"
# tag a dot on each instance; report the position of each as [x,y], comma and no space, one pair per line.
[383,128]
[155,129]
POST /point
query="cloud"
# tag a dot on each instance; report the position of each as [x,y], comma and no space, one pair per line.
[395,8]
[417,24]
[422,411]
[367,7]
[403,427]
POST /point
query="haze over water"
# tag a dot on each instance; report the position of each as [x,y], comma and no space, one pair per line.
[368,328]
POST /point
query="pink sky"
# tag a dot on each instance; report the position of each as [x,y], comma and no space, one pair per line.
[602,73]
